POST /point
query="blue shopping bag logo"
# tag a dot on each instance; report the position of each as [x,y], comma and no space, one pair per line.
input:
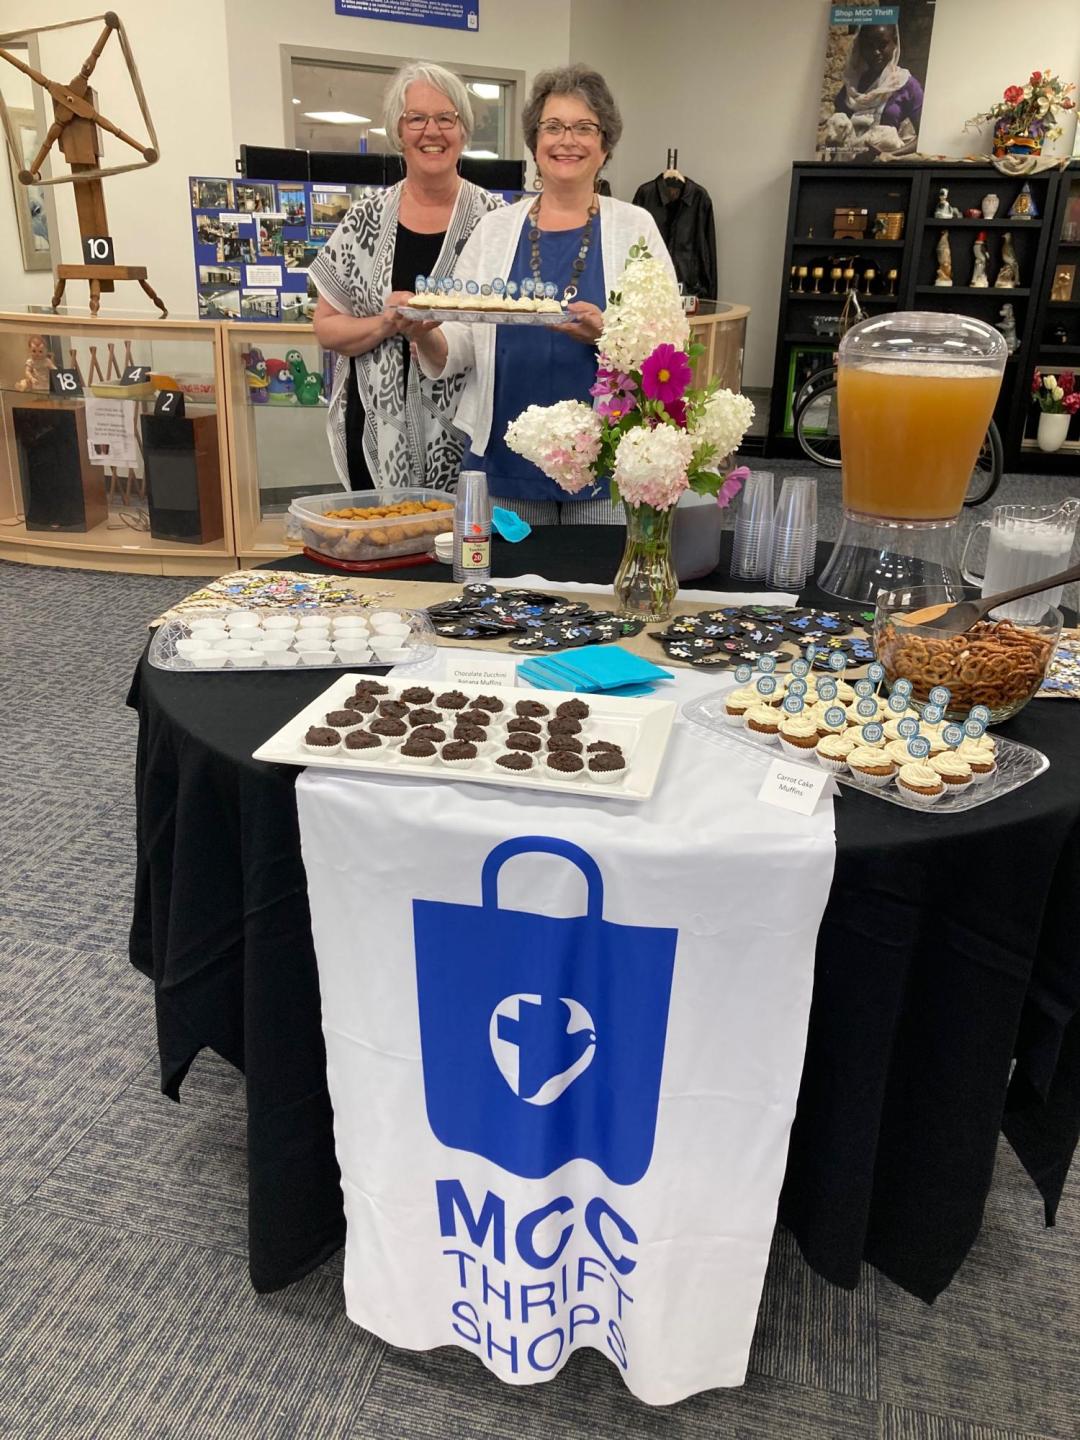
[542,1038]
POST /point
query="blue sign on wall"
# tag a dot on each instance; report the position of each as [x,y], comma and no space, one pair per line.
[448,14]
[863,15]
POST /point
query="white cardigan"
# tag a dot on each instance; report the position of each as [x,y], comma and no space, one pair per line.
[489,252]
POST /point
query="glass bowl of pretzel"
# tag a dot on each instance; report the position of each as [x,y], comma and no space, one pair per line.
[999,662]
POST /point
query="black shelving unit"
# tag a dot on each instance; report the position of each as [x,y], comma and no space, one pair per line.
[818,189]
[1056,340]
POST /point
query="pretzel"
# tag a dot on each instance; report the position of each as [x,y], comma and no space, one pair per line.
[996,664]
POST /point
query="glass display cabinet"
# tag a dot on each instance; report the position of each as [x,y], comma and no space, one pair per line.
[277,380]
[112,444]
[721,329]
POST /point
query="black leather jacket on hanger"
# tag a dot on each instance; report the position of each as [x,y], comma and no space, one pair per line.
[686,224]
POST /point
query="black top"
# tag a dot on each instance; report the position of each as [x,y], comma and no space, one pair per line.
[684,216]
[414,254]
[946,952]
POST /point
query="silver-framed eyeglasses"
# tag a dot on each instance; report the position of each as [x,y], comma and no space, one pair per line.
[582,129]
[445,120]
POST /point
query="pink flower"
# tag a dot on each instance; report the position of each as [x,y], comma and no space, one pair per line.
[732,485]
[615,393]
[677,410]
[665,374]
[1067,381]
[1014,94]
[1071,403]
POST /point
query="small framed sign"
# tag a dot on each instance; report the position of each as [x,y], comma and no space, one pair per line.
[135,375]
[170,403]
[65,382]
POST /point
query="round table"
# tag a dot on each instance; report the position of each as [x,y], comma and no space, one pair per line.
[946,951]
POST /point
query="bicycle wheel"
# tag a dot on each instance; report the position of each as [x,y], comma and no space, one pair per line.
[986,477]
[816,419]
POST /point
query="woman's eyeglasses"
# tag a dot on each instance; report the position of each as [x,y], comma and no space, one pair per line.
[583,129]
[445,120]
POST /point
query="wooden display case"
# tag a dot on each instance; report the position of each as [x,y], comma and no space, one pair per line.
[278,447]
[96,514]
[721,329]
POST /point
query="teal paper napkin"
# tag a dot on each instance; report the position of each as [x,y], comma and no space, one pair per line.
[594,668]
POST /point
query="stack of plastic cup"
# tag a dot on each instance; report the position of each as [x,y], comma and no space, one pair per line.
[753,528]
[794,535]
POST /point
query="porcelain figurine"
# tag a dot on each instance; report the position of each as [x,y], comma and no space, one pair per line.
[946,210]
[978,274]
[1008,277]
[944,260]
[1024,207]
[38,364]
[1008,326]
[989,206]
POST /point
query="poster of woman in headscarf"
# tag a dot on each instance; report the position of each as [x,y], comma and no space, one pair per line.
[875,70]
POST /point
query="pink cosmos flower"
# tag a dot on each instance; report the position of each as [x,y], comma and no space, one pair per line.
[732,485]
[615,394]
[665,374]
[677,410]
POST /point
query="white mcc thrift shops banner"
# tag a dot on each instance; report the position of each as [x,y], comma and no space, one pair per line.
[564,1041]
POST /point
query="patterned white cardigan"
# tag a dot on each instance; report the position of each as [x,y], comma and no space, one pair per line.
[410,439]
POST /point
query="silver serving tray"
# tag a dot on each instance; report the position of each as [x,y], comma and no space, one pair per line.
[485,317]
[1016,763]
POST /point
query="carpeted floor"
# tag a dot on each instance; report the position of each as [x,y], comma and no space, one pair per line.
[125,1307]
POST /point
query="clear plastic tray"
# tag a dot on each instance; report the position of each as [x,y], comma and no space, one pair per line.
[1016,763]
[642,727]
[174,643]
[486,317]
[357,540]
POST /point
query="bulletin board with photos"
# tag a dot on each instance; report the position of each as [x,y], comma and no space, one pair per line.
[255,240]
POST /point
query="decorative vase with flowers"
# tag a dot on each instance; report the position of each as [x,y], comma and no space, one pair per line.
[1059,401]
[1027,117]
[649,432]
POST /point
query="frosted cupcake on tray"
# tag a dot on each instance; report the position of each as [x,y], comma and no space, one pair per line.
[833,749]
[919,781]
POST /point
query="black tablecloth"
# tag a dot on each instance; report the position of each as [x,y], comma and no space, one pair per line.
[947,948]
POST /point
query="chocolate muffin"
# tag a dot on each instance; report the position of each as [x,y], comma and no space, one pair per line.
[457,751]
[573,710]
[563,763]
[491,703]
[388,727]
[523,726]
[393,709]
[605,761]
[362,701]
[372,687]
[322,735]
[473,716]
[568,744]
[597,745]
[564,725]
[362,740]
[529,743]
[423,716]
[344,719]
[475,734]
[435,733]
[531,709]
[452,700]
[515,761]
[418,749]
[418,695]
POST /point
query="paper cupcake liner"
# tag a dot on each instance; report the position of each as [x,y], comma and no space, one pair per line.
[602,777]
[419,759]
[829,762]
[564,774]
[735,719]
[765,737]
[955,787]
[915,797]
[877,781]
[797,752]
[980,777]
[322,749]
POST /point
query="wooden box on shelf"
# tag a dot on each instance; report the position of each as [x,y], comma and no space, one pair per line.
[850,224]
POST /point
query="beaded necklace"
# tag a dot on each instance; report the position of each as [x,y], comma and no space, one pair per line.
[586,240]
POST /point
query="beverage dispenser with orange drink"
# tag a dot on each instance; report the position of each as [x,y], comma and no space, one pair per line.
[916,395]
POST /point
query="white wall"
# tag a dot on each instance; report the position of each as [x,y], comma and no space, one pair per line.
[734,86]
[179,48]
[513,35]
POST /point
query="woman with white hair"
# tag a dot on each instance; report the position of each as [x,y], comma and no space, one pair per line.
[389,425]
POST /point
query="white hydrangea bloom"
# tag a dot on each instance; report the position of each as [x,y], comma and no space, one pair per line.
[647,313]
[725,421]
[563,440]
[651,465]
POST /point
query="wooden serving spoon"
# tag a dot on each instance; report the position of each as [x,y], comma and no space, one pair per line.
[955,619]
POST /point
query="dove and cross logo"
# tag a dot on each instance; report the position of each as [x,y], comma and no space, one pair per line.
[542,1038]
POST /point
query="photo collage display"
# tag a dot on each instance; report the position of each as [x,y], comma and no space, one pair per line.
[254,241]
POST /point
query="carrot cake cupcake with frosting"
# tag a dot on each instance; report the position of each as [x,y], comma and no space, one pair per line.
[869,762]
[833,750]
[763,722]
[918,781]
[953,769]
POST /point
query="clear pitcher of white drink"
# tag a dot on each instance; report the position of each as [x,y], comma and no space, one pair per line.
[1024,542]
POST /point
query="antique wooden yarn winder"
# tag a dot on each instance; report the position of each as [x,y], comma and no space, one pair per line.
[77,123]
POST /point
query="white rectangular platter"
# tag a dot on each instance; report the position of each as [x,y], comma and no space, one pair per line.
[485,317]
[642,727]
[176,645]
[1016,763]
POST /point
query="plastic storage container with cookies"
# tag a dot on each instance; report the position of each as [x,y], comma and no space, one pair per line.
[370,529]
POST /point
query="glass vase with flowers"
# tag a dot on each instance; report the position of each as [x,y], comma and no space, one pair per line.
[650,433]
